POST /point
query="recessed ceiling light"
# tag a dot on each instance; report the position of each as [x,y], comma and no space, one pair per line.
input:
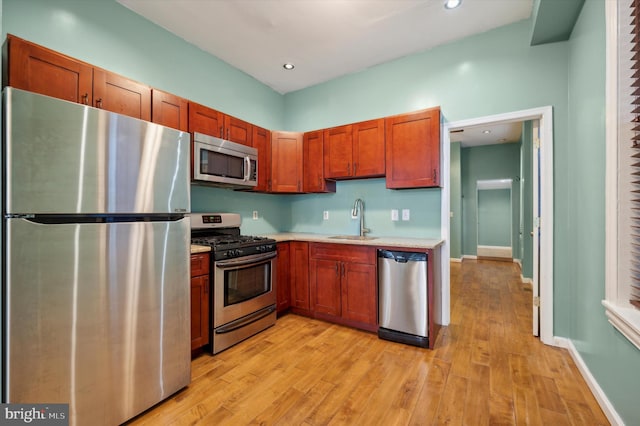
[288,66]
[452,4]
[486,132]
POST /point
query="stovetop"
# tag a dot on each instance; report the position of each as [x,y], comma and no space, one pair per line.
[221,232]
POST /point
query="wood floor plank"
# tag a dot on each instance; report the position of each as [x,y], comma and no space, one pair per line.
[485,369]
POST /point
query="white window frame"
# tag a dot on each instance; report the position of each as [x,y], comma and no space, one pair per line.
[620,313]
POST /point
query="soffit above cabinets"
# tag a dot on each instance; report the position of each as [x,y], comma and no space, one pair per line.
[325,39]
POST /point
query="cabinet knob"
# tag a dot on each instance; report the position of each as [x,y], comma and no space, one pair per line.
[85,99]
[221,132]
[99,103]
[435,176]
[348,168]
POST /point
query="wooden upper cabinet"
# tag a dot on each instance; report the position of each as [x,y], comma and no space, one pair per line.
[338,152]
[208,121]
[115,93]
[261,140]
[313,164]
[413,149]
[286,162]
[37,69]
[169,110]
[205,120]
[368,148]
[355,150]
[236,130]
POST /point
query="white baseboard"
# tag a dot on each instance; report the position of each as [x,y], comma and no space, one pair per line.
[519,262]
[612,415]
[526,280]
[495,251]
[469,256]
[455,259]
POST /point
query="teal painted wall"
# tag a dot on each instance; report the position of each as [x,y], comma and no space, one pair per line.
[455,222]
[306,210]
[495,218]
[610,357]
[485,163]
[526,195]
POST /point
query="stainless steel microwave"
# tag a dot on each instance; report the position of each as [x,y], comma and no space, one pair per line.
[224,163]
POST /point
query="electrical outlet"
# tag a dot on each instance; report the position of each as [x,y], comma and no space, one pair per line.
[255,215]
[325,215]
[406,214]
[394,215]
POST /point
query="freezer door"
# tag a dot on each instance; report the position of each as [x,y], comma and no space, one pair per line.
[97,315]
[66,158]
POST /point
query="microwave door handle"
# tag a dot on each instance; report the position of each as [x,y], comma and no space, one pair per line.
[247,169]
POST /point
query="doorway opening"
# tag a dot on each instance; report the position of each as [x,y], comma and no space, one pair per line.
[542,211]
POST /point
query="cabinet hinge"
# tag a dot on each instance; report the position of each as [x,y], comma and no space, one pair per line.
[536,301]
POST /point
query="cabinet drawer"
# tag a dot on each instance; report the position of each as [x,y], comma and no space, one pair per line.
[343,253]
[199,264]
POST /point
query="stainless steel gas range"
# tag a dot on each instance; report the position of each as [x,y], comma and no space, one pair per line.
[243,299]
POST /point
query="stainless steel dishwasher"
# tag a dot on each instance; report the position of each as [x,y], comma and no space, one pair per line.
[402,289]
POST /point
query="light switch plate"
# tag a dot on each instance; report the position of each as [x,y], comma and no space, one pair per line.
[406,214]
[255,215]
[394,215]
[325,215]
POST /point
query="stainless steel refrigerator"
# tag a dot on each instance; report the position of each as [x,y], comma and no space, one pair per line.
[95,259]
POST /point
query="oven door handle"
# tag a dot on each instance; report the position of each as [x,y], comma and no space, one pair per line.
[250,260]
[243,322]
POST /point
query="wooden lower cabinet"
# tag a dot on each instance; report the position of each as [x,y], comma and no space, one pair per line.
[299,276]
[283,278]
[199,300]
[343,285]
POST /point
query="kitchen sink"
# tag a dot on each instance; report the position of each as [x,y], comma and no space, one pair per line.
[352,237]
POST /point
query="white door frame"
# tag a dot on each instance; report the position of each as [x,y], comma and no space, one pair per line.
[545,116]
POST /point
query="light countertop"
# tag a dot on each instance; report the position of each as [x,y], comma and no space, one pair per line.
[199,249]
[407,242]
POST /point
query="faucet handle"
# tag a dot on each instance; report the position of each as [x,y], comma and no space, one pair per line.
[365,231]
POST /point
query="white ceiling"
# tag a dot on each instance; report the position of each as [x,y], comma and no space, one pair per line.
[498,133]
[325,39]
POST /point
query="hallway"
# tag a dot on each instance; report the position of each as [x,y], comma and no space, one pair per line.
[486,369]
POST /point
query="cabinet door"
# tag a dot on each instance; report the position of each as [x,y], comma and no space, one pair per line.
[40,70]
[199,311]
[169,110]
[359,302]
[283,278]
[299,267]
[205,120]
[261,140]
[324,283]
[313,164]
[286,162]
[338,155]
[368,148]
[237,130]
[413,149]
[115,93]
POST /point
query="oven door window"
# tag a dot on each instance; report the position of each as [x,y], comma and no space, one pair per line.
[246,283]
[219,164]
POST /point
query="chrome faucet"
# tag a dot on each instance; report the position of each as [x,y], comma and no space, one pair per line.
[358,209]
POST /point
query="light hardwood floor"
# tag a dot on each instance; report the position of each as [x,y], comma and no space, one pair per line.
[485,369]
